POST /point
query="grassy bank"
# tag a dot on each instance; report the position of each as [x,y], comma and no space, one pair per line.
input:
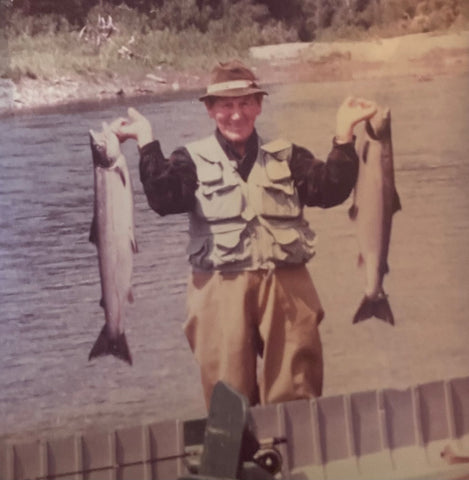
[43,48]
[49,47]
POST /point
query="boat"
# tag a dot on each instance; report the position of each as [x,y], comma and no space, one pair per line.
[417,433]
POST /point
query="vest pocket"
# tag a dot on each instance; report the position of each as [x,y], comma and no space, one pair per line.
[293,245]
[220,202]
[230,247]
[197,250]
[279,200]
[278,196]
[219,249]
[277,169]
[208,172]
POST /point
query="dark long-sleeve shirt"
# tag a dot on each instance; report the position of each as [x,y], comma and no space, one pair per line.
[170,183]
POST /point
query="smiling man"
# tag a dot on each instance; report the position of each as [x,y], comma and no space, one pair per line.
[250,294]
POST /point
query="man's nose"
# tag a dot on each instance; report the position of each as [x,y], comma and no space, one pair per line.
[236,114]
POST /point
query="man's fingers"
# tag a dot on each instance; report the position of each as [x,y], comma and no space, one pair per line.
[134,114]
[357,104]
[365,109]
[364,104]
[117,124]
[370,106]
[352,101]
[118,121]
[369,111]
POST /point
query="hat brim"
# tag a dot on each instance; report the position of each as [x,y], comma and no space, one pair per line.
[234,92]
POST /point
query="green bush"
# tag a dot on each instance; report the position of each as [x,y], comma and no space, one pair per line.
[30,25]
[421,15]
[192,34]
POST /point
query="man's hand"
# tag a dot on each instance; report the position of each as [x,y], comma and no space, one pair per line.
[136,127]
[352,111]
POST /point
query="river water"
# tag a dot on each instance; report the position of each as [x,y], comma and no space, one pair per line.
[49,281]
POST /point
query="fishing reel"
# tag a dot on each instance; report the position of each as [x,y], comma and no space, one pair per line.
[269,458]
[264,464]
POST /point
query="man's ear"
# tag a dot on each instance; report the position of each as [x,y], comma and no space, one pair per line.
[259,99]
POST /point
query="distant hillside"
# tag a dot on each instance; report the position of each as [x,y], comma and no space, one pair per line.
[302,19]
[48,39]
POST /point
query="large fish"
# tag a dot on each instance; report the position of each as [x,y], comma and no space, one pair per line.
[112,231]
[375,202]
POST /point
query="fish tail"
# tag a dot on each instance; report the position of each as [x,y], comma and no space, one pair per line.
[106,345]
[378,308]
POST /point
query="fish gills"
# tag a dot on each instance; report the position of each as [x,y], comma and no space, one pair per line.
[375,202]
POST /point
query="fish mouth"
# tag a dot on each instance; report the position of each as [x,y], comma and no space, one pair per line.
[378,126]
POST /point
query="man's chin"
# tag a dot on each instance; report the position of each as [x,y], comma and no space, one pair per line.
[236,138]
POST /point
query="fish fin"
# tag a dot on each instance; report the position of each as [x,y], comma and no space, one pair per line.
[134,245]
[122,175]
[353,212]
[105,345]
[396,202]
[378,308]
[93,238]
[361,260]
[130,296]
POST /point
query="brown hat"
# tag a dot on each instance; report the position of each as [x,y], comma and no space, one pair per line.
[232,79]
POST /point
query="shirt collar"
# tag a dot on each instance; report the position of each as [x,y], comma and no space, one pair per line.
[227,146]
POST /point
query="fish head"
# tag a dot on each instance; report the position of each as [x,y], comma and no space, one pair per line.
[105,147]
[379,126]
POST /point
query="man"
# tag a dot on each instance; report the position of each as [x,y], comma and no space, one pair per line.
[249,293]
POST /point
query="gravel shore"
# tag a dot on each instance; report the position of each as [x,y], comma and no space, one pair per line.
[421,56]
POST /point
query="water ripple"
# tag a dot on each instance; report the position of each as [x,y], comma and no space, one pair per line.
[49,277]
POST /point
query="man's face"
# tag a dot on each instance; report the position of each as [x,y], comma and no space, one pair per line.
[235,116]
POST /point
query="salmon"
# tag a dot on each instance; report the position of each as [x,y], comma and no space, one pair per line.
[374,204]
[112,231]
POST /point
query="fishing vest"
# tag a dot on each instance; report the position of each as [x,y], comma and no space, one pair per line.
[246,225]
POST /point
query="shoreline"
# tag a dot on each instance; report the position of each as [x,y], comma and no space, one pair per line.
[418,56]
[419,153]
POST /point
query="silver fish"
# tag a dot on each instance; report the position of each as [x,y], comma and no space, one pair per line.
[112,231]
[375,202]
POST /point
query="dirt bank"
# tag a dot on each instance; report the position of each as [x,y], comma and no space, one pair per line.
[421,56]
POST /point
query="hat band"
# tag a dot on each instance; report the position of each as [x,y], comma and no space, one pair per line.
[218,87]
